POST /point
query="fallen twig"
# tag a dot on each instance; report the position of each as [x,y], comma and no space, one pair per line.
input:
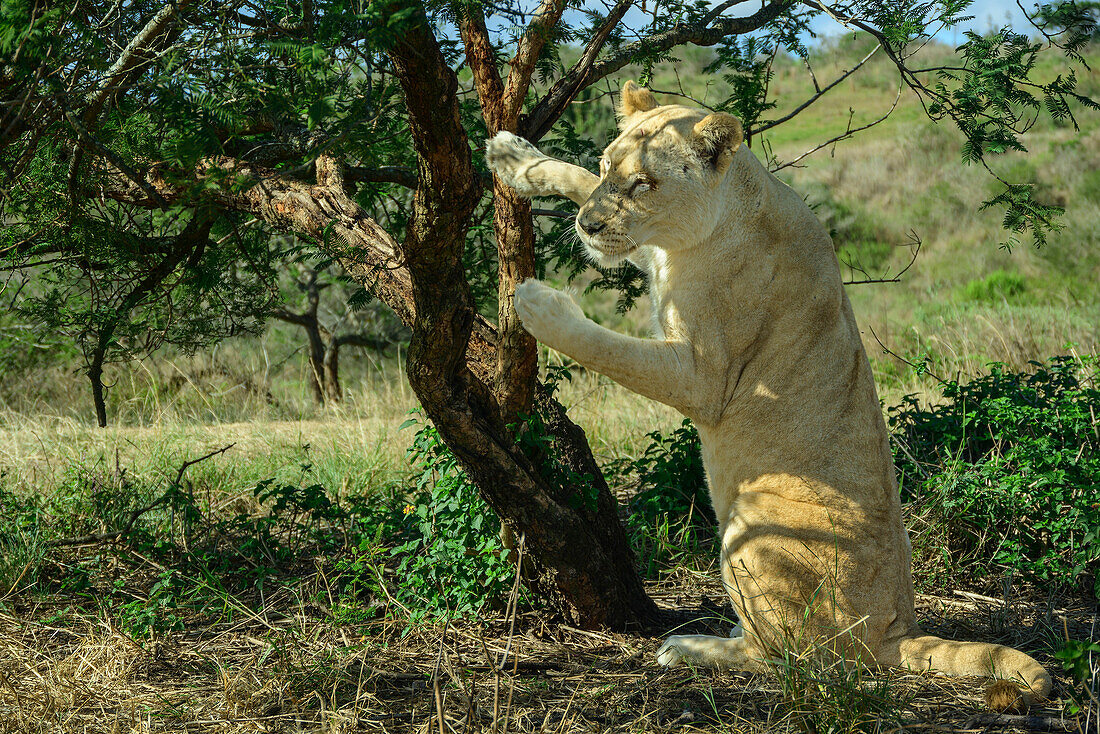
[1034,723]
[159,501]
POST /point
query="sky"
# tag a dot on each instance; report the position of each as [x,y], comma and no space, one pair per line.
[987,14]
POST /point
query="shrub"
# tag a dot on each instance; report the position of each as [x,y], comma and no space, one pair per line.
[451,559]
[997,286]
[670,516]
[1009,465]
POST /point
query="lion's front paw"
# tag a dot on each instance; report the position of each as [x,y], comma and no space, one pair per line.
[545,311]
[672,654]
[510,157]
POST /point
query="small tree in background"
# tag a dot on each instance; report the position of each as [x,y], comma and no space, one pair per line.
[124,291]
[315,117]
[350,318]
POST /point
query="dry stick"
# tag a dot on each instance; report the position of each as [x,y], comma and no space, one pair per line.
[817,95]
[17,580]
[916,243]
[115,534]
[435,677]
[513,601]
[1034,723]
[849,132]
[897,356]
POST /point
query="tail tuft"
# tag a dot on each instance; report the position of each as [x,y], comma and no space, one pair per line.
[1005,697]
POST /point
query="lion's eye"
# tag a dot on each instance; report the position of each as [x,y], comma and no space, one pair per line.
[640,185]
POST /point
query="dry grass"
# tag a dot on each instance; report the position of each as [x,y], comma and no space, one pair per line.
[357,445]
[285,663]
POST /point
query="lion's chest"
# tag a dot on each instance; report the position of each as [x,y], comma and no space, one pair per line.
[660,297]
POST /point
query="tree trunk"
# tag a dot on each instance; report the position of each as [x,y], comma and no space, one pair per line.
[452,354]
[316,359]
[333,391]
[189,244]
[584,546]
[95,374]
[315,334]
[453,351]
[517,352]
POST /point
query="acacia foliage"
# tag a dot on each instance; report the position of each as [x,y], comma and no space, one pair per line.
[280,83]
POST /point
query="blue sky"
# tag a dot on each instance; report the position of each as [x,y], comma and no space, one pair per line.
[987,14]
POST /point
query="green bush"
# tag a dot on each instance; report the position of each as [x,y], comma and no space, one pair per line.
[1009,465]
[450,560]
[997,286]
[1090,185]
[670,516]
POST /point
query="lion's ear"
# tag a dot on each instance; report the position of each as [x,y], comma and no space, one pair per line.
[634,99]
[716,138]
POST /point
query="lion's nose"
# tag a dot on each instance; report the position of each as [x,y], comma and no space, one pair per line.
[590,227]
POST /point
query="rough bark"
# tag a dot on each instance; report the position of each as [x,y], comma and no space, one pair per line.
[517,352]
[452,354]
[585,564]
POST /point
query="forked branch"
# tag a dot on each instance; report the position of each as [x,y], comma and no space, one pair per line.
[136,514]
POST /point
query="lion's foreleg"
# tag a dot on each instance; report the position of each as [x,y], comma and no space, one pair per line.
[531,173]
[657,369]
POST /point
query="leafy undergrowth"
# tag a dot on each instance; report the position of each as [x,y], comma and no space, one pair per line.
[670,522]
[1005,474]
[127,605]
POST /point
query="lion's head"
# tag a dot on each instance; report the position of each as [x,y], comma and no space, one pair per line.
[658,178]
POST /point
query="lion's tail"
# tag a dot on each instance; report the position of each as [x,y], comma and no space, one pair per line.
[922,652]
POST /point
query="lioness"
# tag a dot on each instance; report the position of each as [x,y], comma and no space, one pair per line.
[756,344]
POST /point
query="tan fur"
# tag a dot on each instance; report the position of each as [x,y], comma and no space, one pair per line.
[634,99]
[757,344]
[1004,696]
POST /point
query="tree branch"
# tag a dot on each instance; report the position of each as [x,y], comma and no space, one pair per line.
[383,174]
[482,60]
[158,502]
[848,132]
[527,53]
[131,56]
[289,317]
[551,106]
[818,95]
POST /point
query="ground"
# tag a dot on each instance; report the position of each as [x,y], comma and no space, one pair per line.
[286,661]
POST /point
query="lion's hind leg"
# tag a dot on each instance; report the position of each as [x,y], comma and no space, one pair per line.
[724,653]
